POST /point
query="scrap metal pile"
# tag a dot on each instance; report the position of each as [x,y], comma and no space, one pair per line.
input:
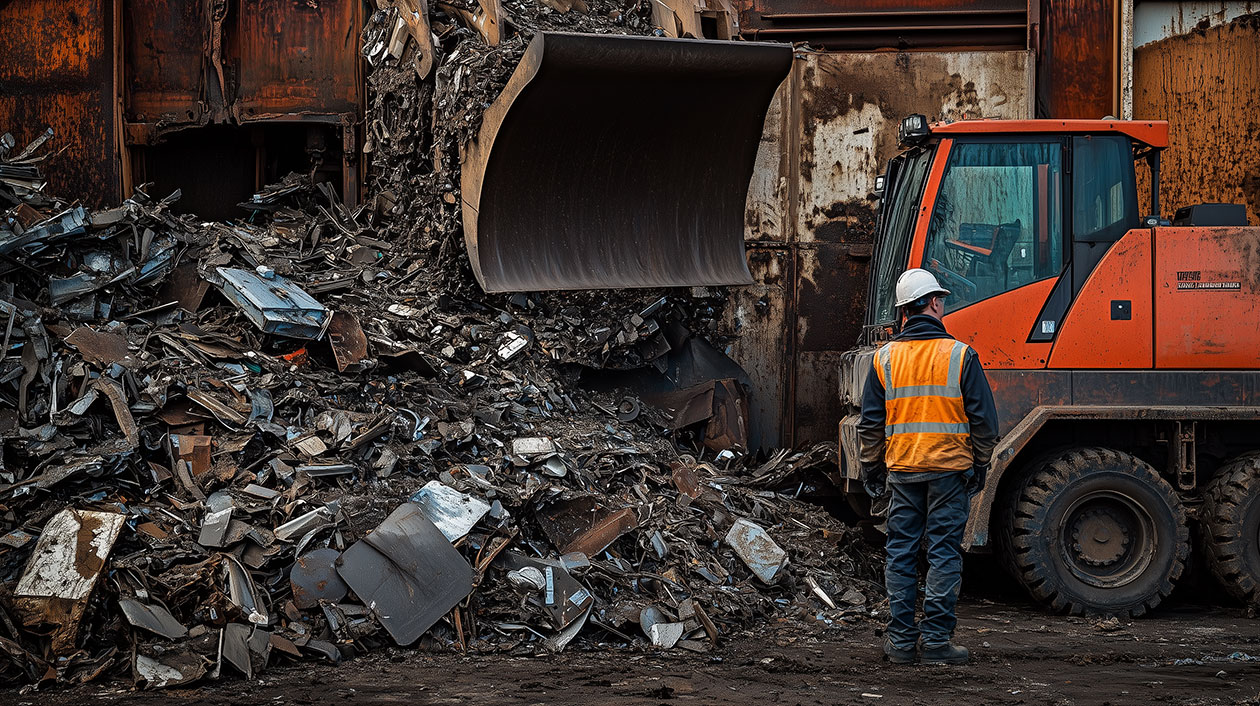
[305,435]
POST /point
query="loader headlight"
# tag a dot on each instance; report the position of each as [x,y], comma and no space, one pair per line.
[913,129]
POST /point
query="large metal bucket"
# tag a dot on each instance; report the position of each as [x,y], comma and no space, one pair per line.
[614,161]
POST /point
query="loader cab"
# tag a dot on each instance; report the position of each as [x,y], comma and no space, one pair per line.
[1000,207]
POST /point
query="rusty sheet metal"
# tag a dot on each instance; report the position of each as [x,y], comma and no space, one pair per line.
[759,313]
[62,571]
[1205,84]
[889,24]
[345,336]
[164,52]
[314,578]
[584,525]
[654,207]
[1076,67]
[57,69]
[296,57]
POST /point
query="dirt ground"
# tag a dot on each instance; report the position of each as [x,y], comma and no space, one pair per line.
[1184,654]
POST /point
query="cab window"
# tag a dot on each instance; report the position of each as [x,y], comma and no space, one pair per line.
[998,220]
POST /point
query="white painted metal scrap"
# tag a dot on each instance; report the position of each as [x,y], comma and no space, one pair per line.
[70,554]
[756,549]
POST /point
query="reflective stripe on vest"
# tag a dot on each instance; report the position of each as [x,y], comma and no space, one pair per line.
[926,426]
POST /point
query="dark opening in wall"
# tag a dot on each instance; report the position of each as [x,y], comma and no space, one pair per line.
[219,166]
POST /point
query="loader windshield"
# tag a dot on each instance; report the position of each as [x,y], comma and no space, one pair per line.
[905,179]
[997,223]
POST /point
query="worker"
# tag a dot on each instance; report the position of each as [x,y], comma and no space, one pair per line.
[927,433]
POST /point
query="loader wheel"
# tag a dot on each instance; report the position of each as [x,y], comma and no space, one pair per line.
[1098,531]
[1231,520]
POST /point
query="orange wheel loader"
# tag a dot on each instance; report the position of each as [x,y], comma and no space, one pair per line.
[1123,352]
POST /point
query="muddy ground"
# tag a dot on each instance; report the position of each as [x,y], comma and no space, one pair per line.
[1188,652]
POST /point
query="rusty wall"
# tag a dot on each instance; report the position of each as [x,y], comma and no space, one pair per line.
[1076,64]
[1207,85]
[57,70]
[810,213]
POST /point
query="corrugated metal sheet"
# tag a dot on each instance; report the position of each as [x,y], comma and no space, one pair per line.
[810,212]
[57,69]
[1207,85]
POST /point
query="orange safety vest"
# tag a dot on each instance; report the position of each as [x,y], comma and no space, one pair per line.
[926,427]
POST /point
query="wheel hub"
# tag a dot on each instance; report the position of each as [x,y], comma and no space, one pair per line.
[1100,537]
[1107,538]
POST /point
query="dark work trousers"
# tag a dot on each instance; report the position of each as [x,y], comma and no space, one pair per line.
[935,511]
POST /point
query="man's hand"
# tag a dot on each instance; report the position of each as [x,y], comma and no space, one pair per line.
[975,480]
[875,482]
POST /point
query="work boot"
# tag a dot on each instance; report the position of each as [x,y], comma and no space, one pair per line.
[897,656]
[945,653]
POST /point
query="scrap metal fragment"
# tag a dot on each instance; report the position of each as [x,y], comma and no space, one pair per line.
[584,525]
[453,512]
[244,592]
[60,574]
[756,549]
[154,618]
[345,336]
[273,303]
[104,348]
[314,578]
[408,572]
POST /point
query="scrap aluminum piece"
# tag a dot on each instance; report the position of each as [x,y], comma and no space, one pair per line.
[407,572]
[274,304]
[756,549]
[215,527]
[304,523]
[512,344]
[818,591]
[154,618]
[530,578]
[314,578]
[453,512]
[173,669]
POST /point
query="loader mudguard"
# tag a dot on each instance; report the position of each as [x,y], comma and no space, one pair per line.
[617,161]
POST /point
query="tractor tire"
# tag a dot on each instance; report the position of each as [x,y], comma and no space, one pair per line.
[1231,524]
[1097,531]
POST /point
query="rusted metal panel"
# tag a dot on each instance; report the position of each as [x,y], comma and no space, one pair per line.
[57,69]
[892,24]
[810,214]
[297,57]
[1076,67]
[759,313]
[1207,85]
[164,47]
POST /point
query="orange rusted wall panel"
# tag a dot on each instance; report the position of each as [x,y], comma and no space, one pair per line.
[1076,67]
[1207,85]
[164,49]
[1096,333]
[57,70]
[997,328]
[1207,297]
[297,57]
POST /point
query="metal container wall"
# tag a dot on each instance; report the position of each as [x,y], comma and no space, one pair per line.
[1206,83]
[889,24]
[57,70]
[810,213]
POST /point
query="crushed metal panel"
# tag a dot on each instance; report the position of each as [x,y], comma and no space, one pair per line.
[1203,83]
[345,336]
[632,214]
[296,57]
[407,572]
[57,69]
[584,525]
[68,559]
[274,304]
[563,597]
[154,618]
[751,544]
[314,578]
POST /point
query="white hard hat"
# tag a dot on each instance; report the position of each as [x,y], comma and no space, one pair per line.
[915,284]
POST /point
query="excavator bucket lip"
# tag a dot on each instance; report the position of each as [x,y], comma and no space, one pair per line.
[613,161]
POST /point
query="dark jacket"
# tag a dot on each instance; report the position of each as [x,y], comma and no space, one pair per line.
[977,400]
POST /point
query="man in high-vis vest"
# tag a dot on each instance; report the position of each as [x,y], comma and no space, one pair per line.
[927,433]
